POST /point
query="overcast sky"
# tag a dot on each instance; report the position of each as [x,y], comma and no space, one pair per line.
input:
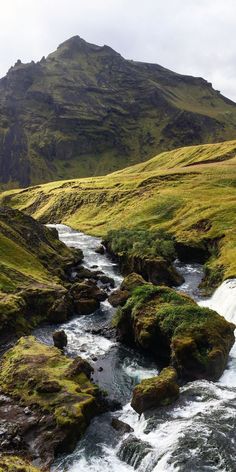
[196,37]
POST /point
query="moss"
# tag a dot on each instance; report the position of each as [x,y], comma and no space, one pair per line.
[173,328]
[15,464]
[157,391]
[38,375]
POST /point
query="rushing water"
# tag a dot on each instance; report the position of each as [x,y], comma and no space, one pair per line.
[197,434]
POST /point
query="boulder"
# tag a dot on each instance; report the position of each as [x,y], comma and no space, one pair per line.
[118,297]
[100,249]
[155,392]
[58,392]
[61,310]
[132,281]
[87,297]
[107,280]
[120,426]
[60,339]
[173,329]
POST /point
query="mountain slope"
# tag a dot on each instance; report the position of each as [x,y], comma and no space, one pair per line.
[85,110]
[189,192]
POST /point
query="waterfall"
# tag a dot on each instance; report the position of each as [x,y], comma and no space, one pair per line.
[223,300]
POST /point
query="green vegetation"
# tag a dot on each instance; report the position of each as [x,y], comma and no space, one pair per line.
[142,243]
[85,110]
[188,192]
[157,391]
[173,328]
[32,267]
[15,464]
[41,376]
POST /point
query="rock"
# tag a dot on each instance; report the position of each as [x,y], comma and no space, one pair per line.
[155,392]
[79,366]
[48,386]
[87,297]
[173,329]
[100,369]
[100,249]
[118,297]
[59,392]
[132,281]
[120,426]
[61,310]
[133,450]
[107,280]
[60,339]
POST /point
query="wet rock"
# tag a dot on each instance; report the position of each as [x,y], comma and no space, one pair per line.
[107,280]
[157,391]
[61,310]
[87,297]
[120,426]
[133,450]
[60,339]
[100,249]
[100,369]
[118,297]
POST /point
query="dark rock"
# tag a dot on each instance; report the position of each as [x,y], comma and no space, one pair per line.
[61,310]
[133,450]
[87,297]
[48,387]
[100,369]
[100,250]
[107,280]
[157,391]
[119,297]
[120,426]
[78,366]
[60,339]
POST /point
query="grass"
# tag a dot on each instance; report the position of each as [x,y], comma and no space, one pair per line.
[188,192]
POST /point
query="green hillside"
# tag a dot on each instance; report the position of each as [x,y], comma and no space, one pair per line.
[190,192]
[86,111]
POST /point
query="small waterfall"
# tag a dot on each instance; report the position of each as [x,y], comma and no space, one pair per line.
[224,300]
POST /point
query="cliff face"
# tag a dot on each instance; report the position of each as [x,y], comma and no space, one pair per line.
[85,110]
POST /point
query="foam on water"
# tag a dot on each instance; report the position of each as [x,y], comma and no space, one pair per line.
[197,434]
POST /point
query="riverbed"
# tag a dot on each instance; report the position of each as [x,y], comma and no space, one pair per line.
[197,434]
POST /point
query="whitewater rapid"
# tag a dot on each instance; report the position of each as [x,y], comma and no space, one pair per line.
[197,434]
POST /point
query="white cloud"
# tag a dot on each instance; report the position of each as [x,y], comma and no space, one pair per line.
[196,37]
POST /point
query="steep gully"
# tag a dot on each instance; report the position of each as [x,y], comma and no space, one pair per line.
[198,434]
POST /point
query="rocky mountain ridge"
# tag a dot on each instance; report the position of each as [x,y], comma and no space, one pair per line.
[85,110]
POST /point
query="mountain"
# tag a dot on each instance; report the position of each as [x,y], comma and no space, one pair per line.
[189,192]
[85,110]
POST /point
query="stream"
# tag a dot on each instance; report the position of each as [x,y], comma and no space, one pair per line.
[197,434]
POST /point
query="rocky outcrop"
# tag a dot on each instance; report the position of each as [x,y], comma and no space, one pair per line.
[48,400]
[87,297]
[157,391]
[172,328]
[156,270]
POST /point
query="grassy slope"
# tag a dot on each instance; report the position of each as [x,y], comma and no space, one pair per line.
[189,192]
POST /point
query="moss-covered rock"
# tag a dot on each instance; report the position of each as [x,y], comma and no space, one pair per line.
[87,297]
[174,329]
[157,391]
[34,273]
[54,387]
[15,464]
